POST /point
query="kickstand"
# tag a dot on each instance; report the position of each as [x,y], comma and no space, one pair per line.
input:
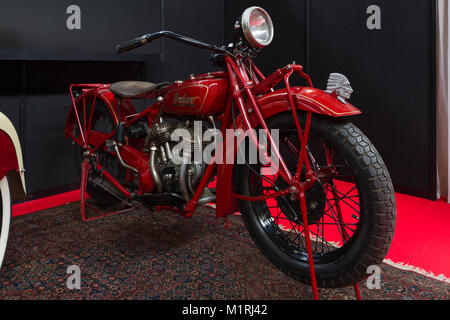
[357,292]
[86,167]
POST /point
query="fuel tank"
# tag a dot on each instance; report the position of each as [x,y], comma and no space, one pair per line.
[202,95]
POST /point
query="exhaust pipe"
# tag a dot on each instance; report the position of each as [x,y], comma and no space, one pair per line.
[153,171]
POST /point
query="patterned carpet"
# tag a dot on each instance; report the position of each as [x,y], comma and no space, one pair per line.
[142,255]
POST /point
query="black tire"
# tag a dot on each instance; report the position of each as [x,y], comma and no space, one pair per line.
[365,242]
[102,121]
[5,216]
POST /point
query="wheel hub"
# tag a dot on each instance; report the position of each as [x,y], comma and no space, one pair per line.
[315,203]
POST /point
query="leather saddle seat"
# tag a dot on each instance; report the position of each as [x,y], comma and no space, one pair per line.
[135,89]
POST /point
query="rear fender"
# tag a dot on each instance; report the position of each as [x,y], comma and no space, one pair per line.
[11,161]
[107,97]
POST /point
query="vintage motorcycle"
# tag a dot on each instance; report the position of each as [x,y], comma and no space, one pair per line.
[12,178]
[326,209]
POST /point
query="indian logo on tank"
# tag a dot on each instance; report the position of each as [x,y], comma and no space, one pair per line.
[185,100]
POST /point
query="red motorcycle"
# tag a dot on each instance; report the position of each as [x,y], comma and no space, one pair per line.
[323,208]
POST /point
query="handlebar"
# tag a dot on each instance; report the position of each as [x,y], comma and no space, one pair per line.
[140,41]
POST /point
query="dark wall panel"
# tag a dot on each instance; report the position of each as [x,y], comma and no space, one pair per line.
[198,19]
[392,72]
[10,91]
[41,25]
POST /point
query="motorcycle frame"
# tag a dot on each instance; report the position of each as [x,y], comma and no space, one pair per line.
[241,85]
[243,82]
[250,116]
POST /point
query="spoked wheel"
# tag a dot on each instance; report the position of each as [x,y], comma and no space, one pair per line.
[5,216]
[97,188]
[351,209]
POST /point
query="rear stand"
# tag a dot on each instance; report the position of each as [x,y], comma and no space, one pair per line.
[309,249]
[85,169]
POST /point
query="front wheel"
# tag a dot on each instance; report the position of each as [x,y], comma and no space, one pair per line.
[351,209]
[5,216]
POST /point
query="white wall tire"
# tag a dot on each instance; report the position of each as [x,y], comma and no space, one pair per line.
[5,216]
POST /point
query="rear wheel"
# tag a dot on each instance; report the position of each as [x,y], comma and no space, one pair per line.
[102,121]
[351,210]
[5,216]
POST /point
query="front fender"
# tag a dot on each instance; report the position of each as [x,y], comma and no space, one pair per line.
[11,160]
[107,97]
[307,99]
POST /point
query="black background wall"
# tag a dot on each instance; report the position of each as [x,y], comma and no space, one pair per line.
[392,69]
[393,73]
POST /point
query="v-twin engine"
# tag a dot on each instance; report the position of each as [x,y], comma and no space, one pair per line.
[172,174]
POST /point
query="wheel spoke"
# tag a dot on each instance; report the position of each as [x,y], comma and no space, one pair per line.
[328,166]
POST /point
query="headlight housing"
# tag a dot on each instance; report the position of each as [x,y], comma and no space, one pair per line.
[257,27]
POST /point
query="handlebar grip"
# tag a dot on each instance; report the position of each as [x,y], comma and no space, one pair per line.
[132,44]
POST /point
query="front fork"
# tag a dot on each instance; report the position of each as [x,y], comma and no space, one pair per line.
[296,186]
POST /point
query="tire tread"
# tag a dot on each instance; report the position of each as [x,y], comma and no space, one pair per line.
[382,204]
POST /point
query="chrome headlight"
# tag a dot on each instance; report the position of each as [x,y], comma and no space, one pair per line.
[257,27]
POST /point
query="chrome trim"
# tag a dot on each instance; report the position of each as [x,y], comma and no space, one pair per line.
[168,151]
[121,160]
[163,153]
[183,185]
[206,197]
[339,85]
[194,180]
[153,171]
[206,200]
[245,20]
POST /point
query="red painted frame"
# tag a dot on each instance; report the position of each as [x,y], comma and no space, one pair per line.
[261,99]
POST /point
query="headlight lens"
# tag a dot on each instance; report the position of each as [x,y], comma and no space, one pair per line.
[257,27]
